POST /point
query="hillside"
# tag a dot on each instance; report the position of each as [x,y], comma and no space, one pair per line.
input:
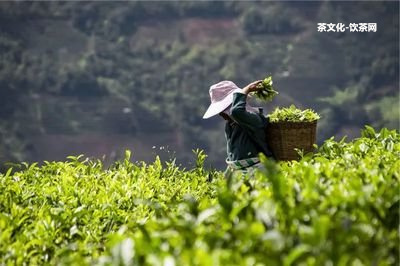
[98,77]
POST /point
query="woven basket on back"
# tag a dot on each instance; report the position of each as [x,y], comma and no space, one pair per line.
[284,137]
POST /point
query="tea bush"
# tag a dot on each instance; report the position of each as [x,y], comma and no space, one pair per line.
[338,206]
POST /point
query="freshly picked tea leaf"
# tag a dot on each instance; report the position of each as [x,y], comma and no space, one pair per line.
[293,114]
[267,93]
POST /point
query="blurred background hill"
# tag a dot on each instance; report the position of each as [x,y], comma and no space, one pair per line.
[101,77]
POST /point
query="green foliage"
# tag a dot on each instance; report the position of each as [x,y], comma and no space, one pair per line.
[342,98]
[337,207]
[50,212]
[386,109]
[267,92]
[293,114]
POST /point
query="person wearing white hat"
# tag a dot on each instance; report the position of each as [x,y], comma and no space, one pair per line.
[245,125]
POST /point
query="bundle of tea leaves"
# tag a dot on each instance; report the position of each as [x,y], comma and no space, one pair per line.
[267,92]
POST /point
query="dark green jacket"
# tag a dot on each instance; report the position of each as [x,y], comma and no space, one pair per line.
[246,135]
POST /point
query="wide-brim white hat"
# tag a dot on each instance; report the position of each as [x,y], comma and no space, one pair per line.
[221,95]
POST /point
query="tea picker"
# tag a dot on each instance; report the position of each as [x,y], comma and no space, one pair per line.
[248,132]
[245,125]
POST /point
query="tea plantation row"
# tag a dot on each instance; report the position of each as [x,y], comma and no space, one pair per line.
[339,206]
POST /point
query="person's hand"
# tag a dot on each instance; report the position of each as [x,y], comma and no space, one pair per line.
[252,87]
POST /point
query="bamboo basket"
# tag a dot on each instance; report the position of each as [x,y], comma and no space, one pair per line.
[284,137]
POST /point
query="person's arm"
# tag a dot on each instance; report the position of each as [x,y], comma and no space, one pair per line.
[238,110]
[252,87]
